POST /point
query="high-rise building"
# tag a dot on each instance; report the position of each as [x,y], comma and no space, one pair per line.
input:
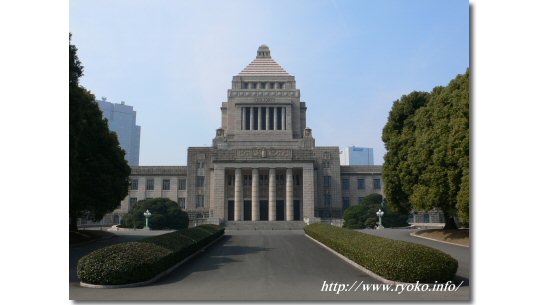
[358,156]
[122,120]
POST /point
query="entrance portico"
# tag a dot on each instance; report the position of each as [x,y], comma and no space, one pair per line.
[263,191]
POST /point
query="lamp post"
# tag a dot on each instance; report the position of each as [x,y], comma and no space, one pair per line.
[379,214]
[147,214]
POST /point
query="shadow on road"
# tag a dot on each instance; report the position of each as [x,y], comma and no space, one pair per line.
[212,258]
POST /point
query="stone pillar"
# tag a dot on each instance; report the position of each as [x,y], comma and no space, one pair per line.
[219,190]
[275,118]
[251,118]
[259,118]
[289,194]
[238,198]
[255,195]
[266,118]
[243,115]
[308,191]
[272,194]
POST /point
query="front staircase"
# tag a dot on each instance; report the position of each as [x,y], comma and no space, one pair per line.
[264,225]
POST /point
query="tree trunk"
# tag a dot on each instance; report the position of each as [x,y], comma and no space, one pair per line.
[450,223]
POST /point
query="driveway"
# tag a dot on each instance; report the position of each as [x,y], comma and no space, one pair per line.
[257,266]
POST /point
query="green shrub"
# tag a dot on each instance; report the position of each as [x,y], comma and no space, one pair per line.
[165,214]
[392,259]
[140,261]
[363,215]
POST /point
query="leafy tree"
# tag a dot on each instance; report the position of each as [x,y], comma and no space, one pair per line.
[399,176]
[165,214]
[364,214]
[98,172]
[427,160]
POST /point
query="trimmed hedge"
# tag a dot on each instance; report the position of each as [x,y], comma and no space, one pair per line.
[392,259]
[133,262]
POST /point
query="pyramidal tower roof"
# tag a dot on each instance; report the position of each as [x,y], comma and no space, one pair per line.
[264,65]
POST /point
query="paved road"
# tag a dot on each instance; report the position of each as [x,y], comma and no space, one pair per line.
[462,254]
[256,265]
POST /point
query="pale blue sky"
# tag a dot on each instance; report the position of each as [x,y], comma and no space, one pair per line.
[173,61]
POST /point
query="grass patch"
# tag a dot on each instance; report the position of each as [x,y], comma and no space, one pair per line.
[392,259]
[460,237]
[133,262]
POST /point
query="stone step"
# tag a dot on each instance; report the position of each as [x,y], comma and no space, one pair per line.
[264,225]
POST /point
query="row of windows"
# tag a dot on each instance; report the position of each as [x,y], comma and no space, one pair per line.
[150,184]
[361,184]
[247,181]
[264,180]
[180,201]
[262,85]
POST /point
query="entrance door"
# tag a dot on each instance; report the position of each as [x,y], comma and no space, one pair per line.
[247,210]
[280,210]
[264,210]
[230,210]
[296,209]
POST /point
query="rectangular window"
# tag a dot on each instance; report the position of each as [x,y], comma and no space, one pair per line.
[327,200]
[279,180]
[149,184]
[345,203]
[345,184]
[200,181]
[247,118]
[134,184]
[297,179]
[199,201]
[326,164]
[247,180]
[132,202]
[231,179]
[360,184]
[200,164]
[166,184]
[181,202]
[182,184]
[360,199]
[264,180]
[327,181]
[377,184]
[244,85]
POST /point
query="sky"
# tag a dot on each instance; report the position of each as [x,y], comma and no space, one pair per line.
[173,61]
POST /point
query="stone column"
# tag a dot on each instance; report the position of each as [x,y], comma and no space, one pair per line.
[219,190]
[259,118]
[308,191]
[266,118]
[255,196]
[275,118]
[272,195]
[289,194]
[238,198]
[243,115]
[251,118]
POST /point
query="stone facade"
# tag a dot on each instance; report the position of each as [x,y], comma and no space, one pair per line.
[263,157]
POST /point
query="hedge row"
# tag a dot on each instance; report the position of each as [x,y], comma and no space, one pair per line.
[133,262]
[392,259]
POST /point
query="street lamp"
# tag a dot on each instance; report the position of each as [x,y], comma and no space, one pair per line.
[379,214]
[147,214]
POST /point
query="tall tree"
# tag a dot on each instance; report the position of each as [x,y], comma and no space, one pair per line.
[427,160]
[98,171]
[399,176]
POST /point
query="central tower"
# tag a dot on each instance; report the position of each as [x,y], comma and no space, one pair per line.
[263,108]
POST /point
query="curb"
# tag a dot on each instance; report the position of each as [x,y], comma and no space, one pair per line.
[157,277]
[361,268]
[440,241]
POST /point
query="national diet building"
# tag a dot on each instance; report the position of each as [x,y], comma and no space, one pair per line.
[263,165]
